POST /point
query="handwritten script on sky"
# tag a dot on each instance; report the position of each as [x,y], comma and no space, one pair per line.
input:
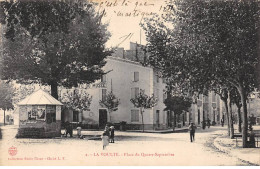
[124,17]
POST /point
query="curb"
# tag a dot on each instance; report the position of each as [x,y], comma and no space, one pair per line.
[228,151]
[219,147]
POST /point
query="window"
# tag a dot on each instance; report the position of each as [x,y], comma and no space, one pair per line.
[134,115]
[134,92]
[104,93]
[50,113]
[136,76]
[75,116]
[103,78]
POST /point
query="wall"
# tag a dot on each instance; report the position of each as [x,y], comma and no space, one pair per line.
[253,107]
[121,76]
[208,105]
[158,90]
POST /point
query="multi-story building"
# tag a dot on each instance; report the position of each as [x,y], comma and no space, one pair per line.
[126,77]
[207,107]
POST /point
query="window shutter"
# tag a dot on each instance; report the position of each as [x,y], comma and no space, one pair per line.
[136,76]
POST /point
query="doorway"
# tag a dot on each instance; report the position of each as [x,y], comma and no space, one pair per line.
[75,116]
[102,118]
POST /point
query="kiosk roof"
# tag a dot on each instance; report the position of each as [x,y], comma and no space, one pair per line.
[39,97]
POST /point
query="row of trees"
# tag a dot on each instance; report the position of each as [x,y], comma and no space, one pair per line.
[208,45]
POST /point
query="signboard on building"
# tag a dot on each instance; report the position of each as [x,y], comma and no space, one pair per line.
[100,85]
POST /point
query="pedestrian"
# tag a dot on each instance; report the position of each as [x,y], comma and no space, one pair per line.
[112,134]
[251,137]
[192,129]
[67,129]
[107,130]
[79,130]
[203,123]
[208,123]
[222,122]
[105,140]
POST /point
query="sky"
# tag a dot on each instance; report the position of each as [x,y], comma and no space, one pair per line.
[124,17]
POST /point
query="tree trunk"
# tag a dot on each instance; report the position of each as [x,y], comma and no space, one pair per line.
[245,123]
[230,117]
[110,118]
[239,118]
[203,120]
[183,119]
[4,116]
[142,118]
[175,119]
[54,89]
[226,107]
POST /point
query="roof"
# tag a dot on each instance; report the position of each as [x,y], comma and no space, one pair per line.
[40,97]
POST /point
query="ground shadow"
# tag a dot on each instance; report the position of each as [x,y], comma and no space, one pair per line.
[131,138]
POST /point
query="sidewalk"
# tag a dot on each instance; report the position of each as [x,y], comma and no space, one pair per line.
[176,130]
[97,133]
[229,146]
[94,132]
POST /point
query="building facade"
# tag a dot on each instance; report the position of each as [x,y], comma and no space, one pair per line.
[207,107]
[126,77]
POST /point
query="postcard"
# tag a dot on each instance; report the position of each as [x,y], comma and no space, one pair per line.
[129,83]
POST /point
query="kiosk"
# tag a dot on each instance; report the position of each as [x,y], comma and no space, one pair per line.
[39,116]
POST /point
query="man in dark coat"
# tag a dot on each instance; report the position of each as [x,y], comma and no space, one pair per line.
[192,129]
[222,122]
[68,128]
[112,134]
